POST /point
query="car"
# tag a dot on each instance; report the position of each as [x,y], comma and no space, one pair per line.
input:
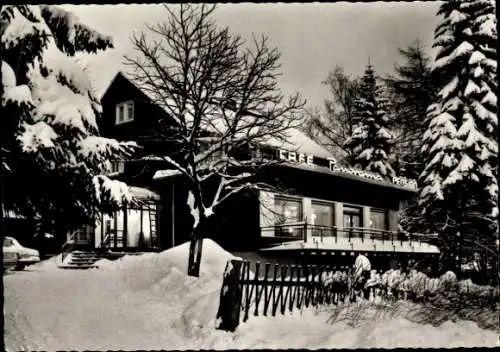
[10,255]
[26,256]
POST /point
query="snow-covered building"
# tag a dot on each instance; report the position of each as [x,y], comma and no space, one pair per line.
[315,206]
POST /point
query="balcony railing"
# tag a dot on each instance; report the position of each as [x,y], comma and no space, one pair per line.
[301,230]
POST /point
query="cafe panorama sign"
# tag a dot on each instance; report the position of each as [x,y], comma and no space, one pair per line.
[301,158]
[294,157]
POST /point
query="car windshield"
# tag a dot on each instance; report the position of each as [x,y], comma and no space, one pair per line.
[7,242]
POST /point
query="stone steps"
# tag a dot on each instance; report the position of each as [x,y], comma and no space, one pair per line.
[87,260]
[80,260]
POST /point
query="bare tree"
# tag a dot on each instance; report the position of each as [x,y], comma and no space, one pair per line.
[334,125]
[226,103]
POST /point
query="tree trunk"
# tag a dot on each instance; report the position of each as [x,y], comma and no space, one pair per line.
[195,256]
[195,249]
[458,255]
[460,234]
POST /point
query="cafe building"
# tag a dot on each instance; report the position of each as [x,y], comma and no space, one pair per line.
[313,207]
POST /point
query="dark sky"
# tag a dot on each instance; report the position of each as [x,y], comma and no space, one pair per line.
[312,38]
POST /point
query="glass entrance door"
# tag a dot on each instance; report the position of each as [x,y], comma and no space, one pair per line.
[138,229]
[113,231]
[352,221]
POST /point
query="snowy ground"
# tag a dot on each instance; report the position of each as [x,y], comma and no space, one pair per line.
[147,302]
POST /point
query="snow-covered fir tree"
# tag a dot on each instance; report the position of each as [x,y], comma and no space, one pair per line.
[53,158]
[459,183]
[413,89]
[370,142]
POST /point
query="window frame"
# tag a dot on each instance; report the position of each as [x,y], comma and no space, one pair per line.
[385,212]
[352,210]
[289,199]
[128,105]
[327,204]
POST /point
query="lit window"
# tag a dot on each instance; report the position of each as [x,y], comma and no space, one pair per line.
[124,112]
[288,211]
[322,219]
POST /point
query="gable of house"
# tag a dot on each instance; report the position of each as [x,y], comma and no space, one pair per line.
[123,89]
[146,114]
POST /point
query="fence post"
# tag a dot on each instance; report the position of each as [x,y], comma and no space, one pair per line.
[228,315]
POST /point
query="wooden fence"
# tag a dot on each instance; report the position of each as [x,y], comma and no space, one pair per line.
[269,289]
[275,289]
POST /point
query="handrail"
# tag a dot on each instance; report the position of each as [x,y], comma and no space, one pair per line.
[67,247]
[105,240]
[361,232]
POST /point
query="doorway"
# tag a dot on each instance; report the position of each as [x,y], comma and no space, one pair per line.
[352,221]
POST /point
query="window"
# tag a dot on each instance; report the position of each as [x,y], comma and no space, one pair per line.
[124,112]
[121,114]
[322,219]
[117,167]
[215,155]
[84,234]
[288,211]
[140,224]
[130,111]
[352,219]
[378,219]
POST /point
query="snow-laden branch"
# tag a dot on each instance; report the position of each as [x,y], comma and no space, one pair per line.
[223,97]
[184,170]
[50,130]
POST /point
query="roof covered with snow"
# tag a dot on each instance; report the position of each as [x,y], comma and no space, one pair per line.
[162,174]
[399,183]
[301,143]
[143,193]
[296,140]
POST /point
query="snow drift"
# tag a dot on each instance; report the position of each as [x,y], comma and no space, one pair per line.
[148,302]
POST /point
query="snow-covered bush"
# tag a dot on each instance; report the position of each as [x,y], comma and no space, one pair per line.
[53,157]
[428,300]
[418,286]
[375,279]
[335,278]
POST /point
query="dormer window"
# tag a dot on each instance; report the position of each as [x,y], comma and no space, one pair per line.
[125,112]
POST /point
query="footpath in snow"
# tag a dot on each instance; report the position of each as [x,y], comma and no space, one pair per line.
[148,302]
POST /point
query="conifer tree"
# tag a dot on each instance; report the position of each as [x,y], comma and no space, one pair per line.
[459,189]
[370,142]
[53,158]
[413,88]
